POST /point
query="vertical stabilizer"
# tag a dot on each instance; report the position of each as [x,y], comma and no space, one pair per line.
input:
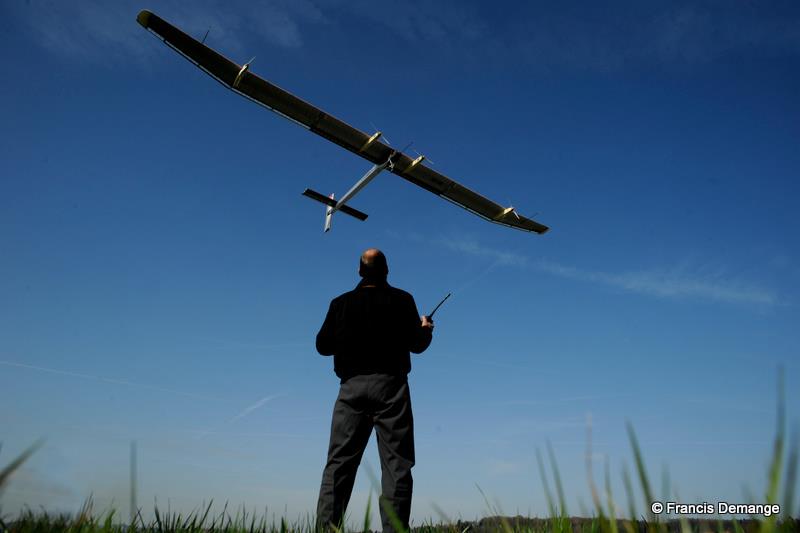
[332,206]
[329,215]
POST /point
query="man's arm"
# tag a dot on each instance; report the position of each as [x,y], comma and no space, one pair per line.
[421,330]
[326,338]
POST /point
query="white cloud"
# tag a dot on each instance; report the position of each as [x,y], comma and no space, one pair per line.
[472,247]
[102,32]
[596,457]
[105,379]
[502,467]
[551,37]
[646,33]
[444,22]
[567,399]
[677,282]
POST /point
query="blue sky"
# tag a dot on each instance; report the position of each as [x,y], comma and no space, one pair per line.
[162,279]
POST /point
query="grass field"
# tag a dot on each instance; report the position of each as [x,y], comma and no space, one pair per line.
[608,517]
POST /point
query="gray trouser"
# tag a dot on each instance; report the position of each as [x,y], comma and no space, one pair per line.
[365,401]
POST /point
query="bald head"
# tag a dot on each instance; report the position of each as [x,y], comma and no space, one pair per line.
[373,265]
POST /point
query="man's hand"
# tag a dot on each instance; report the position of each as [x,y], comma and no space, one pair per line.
[427,322]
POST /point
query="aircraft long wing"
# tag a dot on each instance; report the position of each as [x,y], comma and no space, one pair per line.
[240,80]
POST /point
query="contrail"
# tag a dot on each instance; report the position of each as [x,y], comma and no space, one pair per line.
[567,399]
[477,278]
[246,411]
[255,406]
[106,380]
[257,345]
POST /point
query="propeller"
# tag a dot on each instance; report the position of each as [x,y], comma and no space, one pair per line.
[512,209]
[240,75]
[384,137]
[428,159]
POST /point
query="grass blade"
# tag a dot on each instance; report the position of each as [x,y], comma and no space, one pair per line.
[611,506]
[557,477]
[547,494]
[791,479]
[642,471]
[16,463]
[368,513]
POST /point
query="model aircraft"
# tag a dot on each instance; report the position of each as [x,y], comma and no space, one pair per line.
[239,79]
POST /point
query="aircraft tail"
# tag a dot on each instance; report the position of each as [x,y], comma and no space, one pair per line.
[329,214]
[331,208]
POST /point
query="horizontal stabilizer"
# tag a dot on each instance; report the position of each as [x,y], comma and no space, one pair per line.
[314,195]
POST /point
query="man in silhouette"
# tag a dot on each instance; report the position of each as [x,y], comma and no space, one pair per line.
[370,332]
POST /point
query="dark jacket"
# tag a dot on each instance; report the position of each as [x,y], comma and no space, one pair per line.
[371,330]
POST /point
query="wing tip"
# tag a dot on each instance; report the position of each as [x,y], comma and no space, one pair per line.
[143,17]
[525,224]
